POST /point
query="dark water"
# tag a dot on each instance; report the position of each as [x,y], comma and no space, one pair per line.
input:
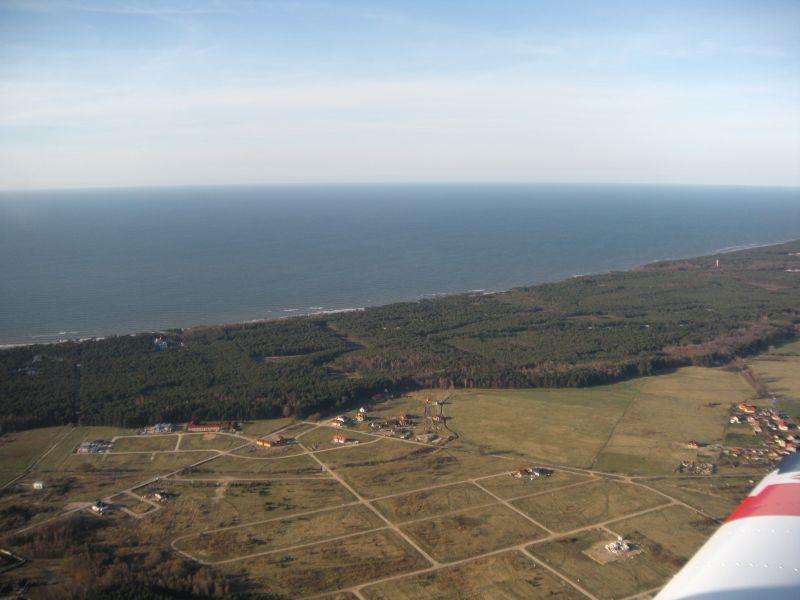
[84,263]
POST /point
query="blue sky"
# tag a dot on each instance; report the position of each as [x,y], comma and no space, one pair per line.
[104,93]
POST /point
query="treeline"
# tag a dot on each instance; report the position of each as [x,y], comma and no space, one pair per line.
[582,331]
[95,567]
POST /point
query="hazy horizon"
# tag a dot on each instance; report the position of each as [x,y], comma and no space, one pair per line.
[176,93]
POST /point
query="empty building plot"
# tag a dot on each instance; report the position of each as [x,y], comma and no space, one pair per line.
[472,532]
[281,532]
[506,575]
[331,566]
[582,557]
[508,485]
[593,503]
[432,502]
[678,529]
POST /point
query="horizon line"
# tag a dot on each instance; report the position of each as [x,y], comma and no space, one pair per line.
[145,186]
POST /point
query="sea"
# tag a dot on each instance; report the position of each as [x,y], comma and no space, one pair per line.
[77,264]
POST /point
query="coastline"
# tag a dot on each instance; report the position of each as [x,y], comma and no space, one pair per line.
[308,312]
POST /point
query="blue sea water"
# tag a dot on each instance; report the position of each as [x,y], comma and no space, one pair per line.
[85,263]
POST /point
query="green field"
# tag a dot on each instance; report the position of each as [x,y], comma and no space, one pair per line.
[781,375]
[635,427]
[18,450]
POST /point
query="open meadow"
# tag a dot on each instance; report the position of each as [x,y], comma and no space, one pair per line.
[506,494]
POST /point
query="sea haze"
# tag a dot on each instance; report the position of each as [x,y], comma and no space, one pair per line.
[88,263]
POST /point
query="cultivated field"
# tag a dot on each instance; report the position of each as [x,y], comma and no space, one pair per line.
[397,516]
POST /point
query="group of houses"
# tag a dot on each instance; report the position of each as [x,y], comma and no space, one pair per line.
[691,467]
[532,472]
[779,434]
[159,428]
[94,447]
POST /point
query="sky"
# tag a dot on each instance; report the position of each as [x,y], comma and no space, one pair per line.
[97,93]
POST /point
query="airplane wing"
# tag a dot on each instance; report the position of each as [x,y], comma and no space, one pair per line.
[756,552]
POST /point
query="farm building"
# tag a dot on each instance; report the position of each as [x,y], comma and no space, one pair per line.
[272,443]
[197,427]
[339,439]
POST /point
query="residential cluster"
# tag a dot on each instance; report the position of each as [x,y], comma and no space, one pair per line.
[532,472]
[159,428]
[94,447]
[780,436]
[691,467]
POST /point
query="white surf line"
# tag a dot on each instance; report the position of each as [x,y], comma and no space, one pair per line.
[366,503]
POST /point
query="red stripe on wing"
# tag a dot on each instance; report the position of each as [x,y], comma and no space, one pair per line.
[774,500]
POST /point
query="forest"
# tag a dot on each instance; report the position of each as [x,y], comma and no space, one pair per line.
[582,331]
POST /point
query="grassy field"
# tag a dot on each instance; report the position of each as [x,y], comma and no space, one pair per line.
[430,503]
[390,466]
[242,468]
[18,450]
[280,533]
[635,427]
[145,443]
[595,502]
[616,579]
[321,438]
[668,411]
[210,441]
[277,520]
[717,497]
[676,528]
[471,532]
[567,427]
[781,375]
[332,565]
[508,487]
[505,576]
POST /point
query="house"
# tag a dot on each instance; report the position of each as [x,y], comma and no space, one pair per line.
[540,472]
[692,445]
[360,416]
[735,419]
[362,410]
[161,496]
[94,447]
[339,439]
[336,423]
[747,408]
[272,443]
[99,507]
[38,484]
[783,426]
